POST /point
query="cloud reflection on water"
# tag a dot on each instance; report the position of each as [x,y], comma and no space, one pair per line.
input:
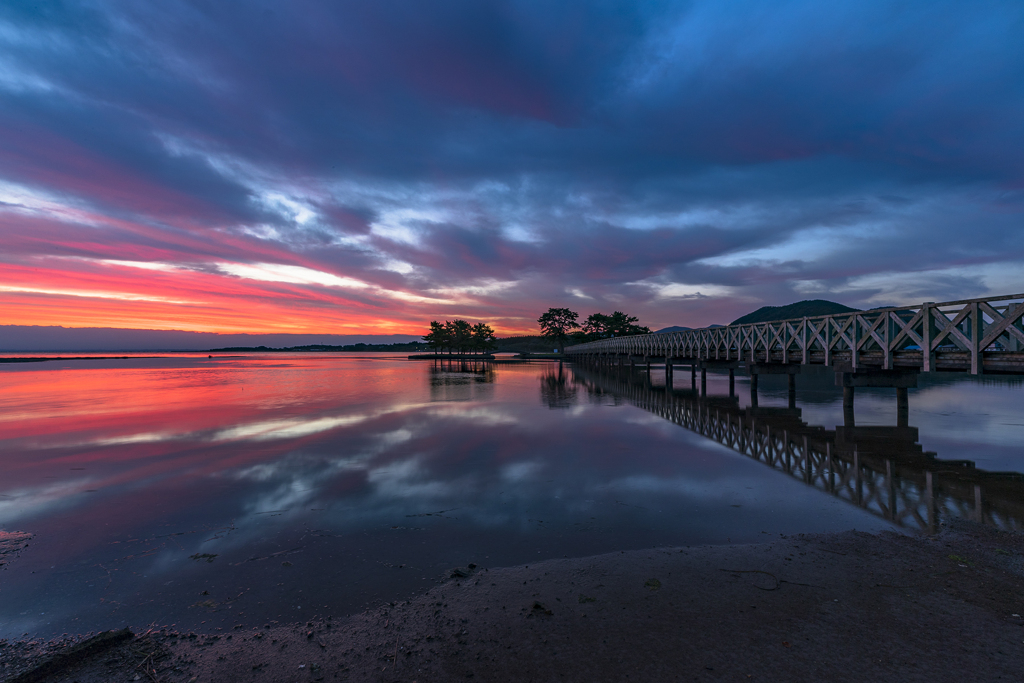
[353,466]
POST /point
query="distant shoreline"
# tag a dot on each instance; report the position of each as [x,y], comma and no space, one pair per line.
[322,348]
[40,359]
[523,344]
[513,344]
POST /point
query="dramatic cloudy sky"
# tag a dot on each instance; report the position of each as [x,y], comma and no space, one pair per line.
[343,167]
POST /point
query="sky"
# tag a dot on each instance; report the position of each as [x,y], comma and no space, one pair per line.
[365,167]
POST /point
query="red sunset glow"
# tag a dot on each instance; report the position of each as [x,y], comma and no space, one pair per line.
[358,171]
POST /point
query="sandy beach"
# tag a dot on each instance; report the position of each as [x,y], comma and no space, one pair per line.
[838,607]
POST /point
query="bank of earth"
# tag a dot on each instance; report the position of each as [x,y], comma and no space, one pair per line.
[839,607]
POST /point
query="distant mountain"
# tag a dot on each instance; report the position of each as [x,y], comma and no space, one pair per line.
[809,308]
[674,328]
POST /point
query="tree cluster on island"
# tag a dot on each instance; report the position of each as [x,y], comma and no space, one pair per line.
[561,325]
[460,336]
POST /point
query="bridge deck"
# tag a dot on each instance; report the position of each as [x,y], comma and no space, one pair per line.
[977,336]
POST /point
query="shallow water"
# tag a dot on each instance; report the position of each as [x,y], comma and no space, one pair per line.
[210,492]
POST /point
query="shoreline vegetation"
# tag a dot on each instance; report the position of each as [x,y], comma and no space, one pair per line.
[514,344]
[461,339]
[559,326]
[850,606]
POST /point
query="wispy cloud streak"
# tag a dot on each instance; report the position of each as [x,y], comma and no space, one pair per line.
[346,167]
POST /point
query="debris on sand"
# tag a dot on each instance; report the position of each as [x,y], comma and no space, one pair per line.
[539,609]
[462,573]
[12,543]
[62,660]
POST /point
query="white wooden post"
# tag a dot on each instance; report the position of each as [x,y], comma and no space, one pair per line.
[854,324]
[805,356]
[887,339]
[828,340]
[928,354]
[976,331]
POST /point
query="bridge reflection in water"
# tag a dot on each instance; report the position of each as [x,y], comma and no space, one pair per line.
[880,469]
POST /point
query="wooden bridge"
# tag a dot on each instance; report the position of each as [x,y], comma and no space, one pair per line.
[974,335]
[880,469]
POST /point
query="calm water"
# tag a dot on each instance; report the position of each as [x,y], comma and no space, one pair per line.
[243,490]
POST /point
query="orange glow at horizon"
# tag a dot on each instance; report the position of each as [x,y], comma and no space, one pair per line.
[112,296]
[77,267]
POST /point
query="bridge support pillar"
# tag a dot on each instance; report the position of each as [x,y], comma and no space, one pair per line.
[902,407]
[668,373]
[693,377]
[900,379]
[717,364]
[848,419]
[791,369]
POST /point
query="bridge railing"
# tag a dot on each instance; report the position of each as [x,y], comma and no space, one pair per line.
[959,331]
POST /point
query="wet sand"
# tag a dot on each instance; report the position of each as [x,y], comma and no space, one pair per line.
[838,607]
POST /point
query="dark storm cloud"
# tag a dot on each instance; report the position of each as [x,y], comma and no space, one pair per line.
[613,153]
[598,254]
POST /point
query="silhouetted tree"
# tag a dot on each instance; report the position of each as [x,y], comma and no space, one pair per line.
[437,338]
[483,339]
[622,325]
[557,324]
[618,324]
[596,326]
[460,334]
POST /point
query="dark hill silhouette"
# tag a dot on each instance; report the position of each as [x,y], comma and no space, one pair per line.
[809,308]
[674,328]
[527,343]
